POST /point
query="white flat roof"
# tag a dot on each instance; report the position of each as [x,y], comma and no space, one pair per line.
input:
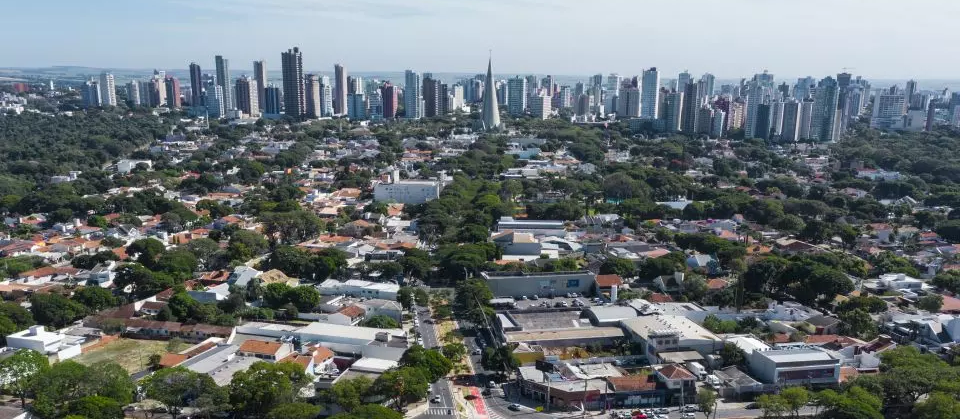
[647,325]
[797,355]
[373,364]
[748,343]
[353,332]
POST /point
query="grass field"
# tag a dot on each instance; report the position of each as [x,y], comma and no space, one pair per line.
[132,354]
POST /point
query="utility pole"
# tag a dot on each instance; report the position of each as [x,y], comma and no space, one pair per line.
[546,381]
[584,412]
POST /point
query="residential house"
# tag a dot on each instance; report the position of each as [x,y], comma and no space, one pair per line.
[703,263]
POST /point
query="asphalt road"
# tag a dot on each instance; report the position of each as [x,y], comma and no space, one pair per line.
[445,407]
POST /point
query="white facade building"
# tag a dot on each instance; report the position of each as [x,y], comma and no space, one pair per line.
[108,90]
[888,111]
[358,288]
[48,343]
[127,165]
[408,191]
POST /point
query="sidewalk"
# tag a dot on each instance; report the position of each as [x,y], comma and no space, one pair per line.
[477,407]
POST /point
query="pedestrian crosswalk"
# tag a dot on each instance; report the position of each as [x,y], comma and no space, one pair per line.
[441,411]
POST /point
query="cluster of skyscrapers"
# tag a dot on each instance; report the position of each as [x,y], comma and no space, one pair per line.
[808,109]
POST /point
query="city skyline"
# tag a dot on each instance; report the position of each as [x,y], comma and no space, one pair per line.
[859,44]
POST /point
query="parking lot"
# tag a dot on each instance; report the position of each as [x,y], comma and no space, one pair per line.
[552,302]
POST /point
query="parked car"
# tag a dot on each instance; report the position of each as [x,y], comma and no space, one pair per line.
[514,407]
[690,408]
[689,415]
[534,297]
[477,351]
[663,411]
[523,297]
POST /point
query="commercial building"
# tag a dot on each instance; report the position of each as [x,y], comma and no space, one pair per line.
[672,111]
[823,124]
[247,100]
[214,102]
[515,284]
[260,75]
[431,97]
[791,367]
[313,99]
[755,98]
[407,191]
[172,85]
[791,122]
[412,95]
[667,333]
[196,85]
[536,227]
[629,103]
[375,106]
[339,89]
[516,96]
[806,119]
[90,93]
[390,100]
[224,81]
[888,111]
[358,288]
[356,106]
[294,99]
[553,328]
[650,95]
[272,102]
[717,129]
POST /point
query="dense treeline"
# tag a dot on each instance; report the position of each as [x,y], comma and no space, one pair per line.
[34,146]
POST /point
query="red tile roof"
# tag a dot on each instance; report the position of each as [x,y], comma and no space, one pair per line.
[660,298]
[717,284]
[950,305]
[676,372]
[171,360]
[260,347]
[606,281]
[848,373]
[633,383]
[352,311]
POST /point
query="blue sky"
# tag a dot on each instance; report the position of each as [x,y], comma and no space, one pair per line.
[729,38]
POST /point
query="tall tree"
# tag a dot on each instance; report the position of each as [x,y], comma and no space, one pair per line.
[19,371]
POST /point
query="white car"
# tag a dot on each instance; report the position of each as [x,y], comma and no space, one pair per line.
[663,411]
[435,399]
[689,415]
